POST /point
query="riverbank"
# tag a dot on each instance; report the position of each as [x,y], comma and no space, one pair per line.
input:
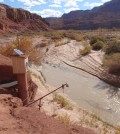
[84,93]
[18,119]
[69,115]
[87,91]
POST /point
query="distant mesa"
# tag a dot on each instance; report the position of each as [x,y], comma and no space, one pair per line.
[13,20]
[105,16]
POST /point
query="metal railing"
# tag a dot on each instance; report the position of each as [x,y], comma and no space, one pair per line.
[63,86]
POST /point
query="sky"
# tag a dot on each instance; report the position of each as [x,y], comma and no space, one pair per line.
[53,8]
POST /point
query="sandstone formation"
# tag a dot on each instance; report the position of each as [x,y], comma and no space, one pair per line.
[13,19]
[105,16]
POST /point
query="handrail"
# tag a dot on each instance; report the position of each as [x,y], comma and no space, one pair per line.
[63,86]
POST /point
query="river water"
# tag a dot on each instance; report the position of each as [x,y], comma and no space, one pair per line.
[87,91]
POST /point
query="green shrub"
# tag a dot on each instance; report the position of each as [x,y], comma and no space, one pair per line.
[85,51]
[65,119]
[58,43]
[85,37]
[113,47]
[117,130]
[98,45]
[95,39]
[112,63]
[73,36]
[62,101]
[59,34]
[78,37]
[54,35]
[26,46]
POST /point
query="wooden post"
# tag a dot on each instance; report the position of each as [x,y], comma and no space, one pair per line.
[18,41]
[23,88]
[20,69]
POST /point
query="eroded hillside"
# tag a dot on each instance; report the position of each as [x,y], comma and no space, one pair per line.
[13,19]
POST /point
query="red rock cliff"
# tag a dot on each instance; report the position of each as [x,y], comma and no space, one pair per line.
[13,19]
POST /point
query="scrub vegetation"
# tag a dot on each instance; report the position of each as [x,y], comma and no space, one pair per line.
[26,46]
[62,102]
[65,119]
[86,50]
[112,57]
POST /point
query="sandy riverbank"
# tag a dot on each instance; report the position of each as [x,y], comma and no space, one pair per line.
[76,115]
[54,76]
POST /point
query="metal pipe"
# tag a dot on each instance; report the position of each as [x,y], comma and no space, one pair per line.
[48,94]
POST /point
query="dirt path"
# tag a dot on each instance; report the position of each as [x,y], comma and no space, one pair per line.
[20,120]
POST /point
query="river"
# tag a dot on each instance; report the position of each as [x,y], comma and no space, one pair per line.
[87,91]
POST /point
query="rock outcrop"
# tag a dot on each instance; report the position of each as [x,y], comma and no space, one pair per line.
[105,16]
[13,19]
[15,119]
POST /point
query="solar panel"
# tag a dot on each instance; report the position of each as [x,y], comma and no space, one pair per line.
[18,52]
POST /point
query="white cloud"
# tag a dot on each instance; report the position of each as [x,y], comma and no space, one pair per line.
[31,3]
[55,5]
[49,13]
[1,0]
[95,4]
[68,3]
[71,3]
[57,1]
[71,9]
[103,1]
[91,5]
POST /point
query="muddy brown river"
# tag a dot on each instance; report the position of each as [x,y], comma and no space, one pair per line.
[87,91]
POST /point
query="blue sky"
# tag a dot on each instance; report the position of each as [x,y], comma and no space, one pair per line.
[53,8]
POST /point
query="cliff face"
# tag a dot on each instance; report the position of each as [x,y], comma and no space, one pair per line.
[12,19]
[105,16]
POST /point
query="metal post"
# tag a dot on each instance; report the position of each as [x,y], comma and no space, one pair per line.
[48,94]
[40,104]
[63,88]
